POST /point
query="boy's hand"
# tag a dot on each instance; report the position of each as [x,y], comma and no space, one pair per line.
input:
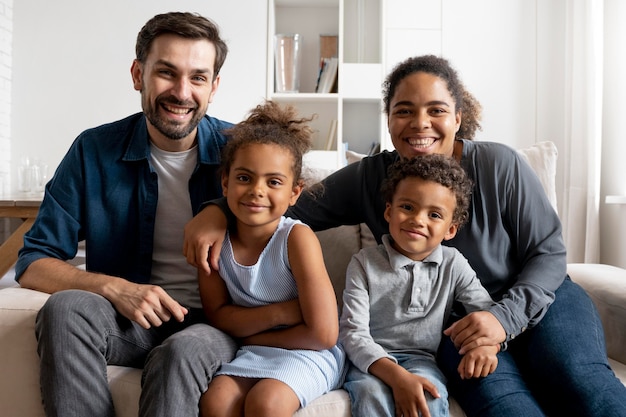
[408,389]
[479,362]
[409,395]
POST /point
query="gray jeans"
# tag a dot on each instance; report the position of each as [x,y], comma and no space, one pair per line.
[79,333]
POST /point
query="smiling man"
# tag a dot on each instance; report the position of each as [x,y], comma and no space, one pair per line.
[127,189]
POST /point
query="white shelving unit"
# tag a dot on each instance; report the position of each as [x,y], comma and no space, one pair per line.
[356,105]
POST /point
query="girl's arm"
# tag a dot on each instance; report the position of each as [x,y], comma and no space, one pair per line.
[319,327]
[237,321]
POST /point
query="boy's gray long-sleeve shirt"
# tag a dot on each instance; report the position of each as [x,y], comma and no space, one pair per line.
[393,304]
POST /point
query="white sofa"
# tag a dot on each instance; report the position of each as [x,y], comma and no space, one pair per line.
[19,371]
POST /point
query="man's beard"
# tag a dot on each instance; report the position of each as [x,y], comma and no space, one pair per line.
[171,129]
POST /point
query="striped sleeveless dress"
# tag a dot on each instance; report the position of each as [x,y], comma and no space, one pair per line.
[309,373]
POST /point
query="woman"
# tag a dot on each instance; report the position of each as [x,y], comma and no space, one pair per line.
[554,359]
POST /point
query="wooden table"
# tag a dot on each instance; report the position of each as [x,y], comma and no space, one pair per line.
[23,207]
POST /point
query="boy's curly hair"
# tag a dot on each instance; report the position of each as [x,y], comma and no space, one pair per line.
[438,168]
[270,123]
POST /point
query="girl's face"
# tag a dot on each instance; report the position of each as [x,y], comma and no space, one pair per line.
[422,116]
[420,217]
[260,185]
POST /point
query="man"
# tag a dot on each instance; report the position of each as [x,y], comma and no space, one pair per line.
[127,189]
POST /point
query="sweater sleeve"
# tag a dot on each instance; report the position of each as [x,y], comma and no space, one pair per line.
[354,333]
[541,252]
[468,289]
[515,242]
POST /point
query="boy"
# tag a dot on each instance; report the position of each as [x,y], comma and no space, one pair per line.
[400,294]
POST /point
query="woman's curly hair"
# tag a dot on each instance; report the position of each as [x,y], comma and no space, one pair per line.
[270,123]
[466,103]
[438,168]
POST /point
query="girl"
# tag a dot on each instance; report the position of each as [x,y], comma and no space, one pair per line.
[288,353]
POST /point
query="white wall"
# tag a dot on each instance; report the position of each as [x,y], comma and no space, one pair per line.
[492,44]
[6,62]
[71,66]
[71,71]
[613,217]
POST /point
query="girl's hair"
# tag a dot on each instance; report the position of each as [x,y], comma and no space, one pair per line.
[438,168]
[465,102]
[183,24]
[270,123]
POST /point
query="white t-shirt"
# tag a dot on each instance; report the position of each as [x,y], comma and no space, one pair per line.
[170,269]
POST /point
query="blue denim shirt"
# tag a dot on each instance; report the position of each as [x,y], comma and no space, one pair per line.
[105,193]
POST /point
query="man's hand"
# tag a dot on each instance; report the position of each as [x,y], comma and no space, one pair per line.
[480,328]
[148,305]
[479,362]
[204,235]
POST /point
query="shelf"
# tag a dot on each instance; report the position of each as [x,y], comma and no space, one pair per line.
[361,81]
[306,3]
[305,97]
[615,199]
[354,110]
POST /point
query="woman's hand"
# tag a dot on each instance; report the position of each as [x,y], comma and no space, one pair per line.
[480,328]
[204,235]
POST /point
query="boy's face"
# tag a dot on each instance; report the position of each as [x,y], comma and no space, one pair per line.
[420,217]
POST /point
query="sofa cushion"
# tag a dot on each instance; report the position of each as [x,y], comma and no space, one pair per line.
[338,246]
[607,294]
[542,158]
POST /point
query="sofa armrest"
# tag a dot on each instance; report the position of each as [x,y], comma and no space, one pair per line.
[19,362]
[606,285]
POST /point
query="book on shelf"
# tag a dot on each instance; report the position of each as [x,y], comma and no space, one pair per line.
[332,136]
[327,79]
[327,75]
[329,46]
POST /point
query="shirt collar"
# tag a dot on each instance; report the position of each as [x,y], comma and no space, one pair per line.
[139,145]
[399,261]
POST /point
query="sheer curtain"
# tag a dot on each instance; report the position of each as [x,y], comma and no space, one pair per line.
[583,129]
